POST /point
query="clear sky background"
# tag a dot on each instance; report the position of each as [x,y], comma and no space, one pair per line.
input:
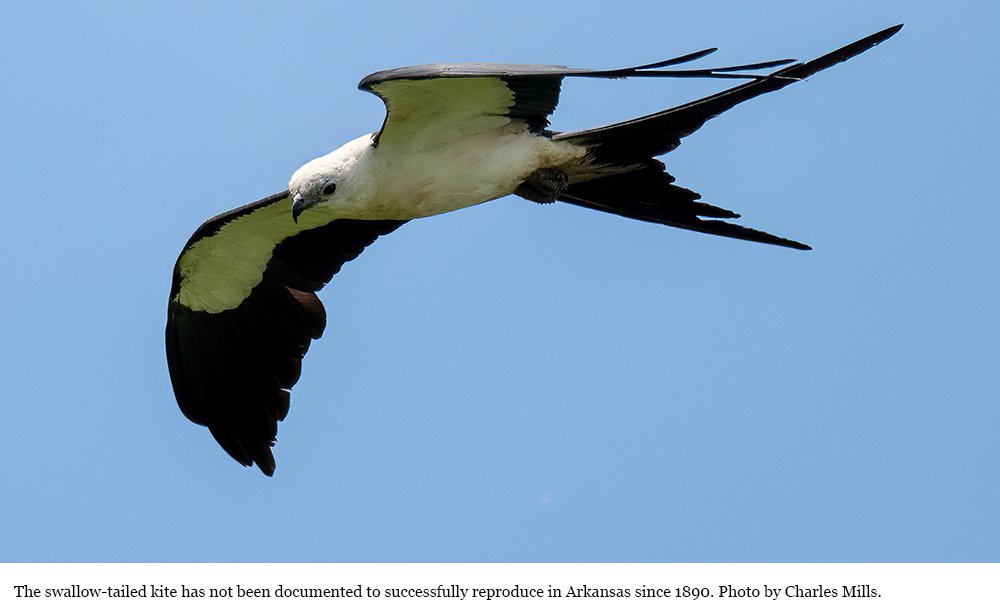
[514,382]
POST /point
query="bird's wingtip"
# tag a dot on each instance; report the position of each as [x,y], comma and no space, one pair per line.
[887,33]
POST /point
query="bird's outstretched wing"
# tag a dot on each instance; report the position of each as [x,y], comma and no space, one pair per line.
[434,104]
[430,105]
[659,133]
[242,312]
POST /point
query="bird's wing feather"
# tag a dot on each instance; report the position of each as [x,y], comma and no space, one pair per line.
[439,102]
[659,133]
[478,95]
[242,312]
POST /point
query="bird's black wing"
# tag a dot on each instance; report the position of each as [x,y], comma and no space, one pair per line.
[242,312]
[659,133]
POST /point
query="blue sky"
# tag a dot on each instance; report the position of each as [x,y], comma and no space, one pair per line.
[514,382]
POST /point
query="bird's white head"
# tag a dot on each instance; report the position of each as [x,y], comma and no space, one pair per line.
[330,184]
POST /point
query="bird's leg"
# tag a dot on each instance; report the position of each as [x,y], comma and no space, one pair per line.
[543,186]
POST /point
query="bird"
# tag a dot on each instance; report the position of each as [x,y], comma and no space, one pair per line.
[242,309]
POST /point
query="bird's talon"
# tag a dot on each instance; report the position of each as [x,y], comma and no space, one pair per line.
[543,186]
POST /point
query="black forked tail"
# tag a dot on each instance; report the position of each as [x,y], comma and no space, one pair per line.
[648,193]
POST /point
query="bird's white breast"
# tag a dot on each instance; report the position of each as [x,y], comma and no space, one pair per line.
[429,177]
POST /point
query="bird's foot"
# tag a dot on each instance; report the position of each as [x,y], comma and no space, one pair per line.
[543,186]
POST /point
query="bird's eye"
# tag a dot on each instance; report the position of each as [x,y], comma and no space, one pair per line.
[330,189]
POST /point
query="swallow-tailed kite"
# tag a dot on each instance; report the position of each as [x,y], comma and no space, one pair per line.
[243,306]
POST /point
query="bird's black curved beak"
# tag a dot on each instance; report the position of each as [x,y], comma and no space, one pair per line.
[299,204]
